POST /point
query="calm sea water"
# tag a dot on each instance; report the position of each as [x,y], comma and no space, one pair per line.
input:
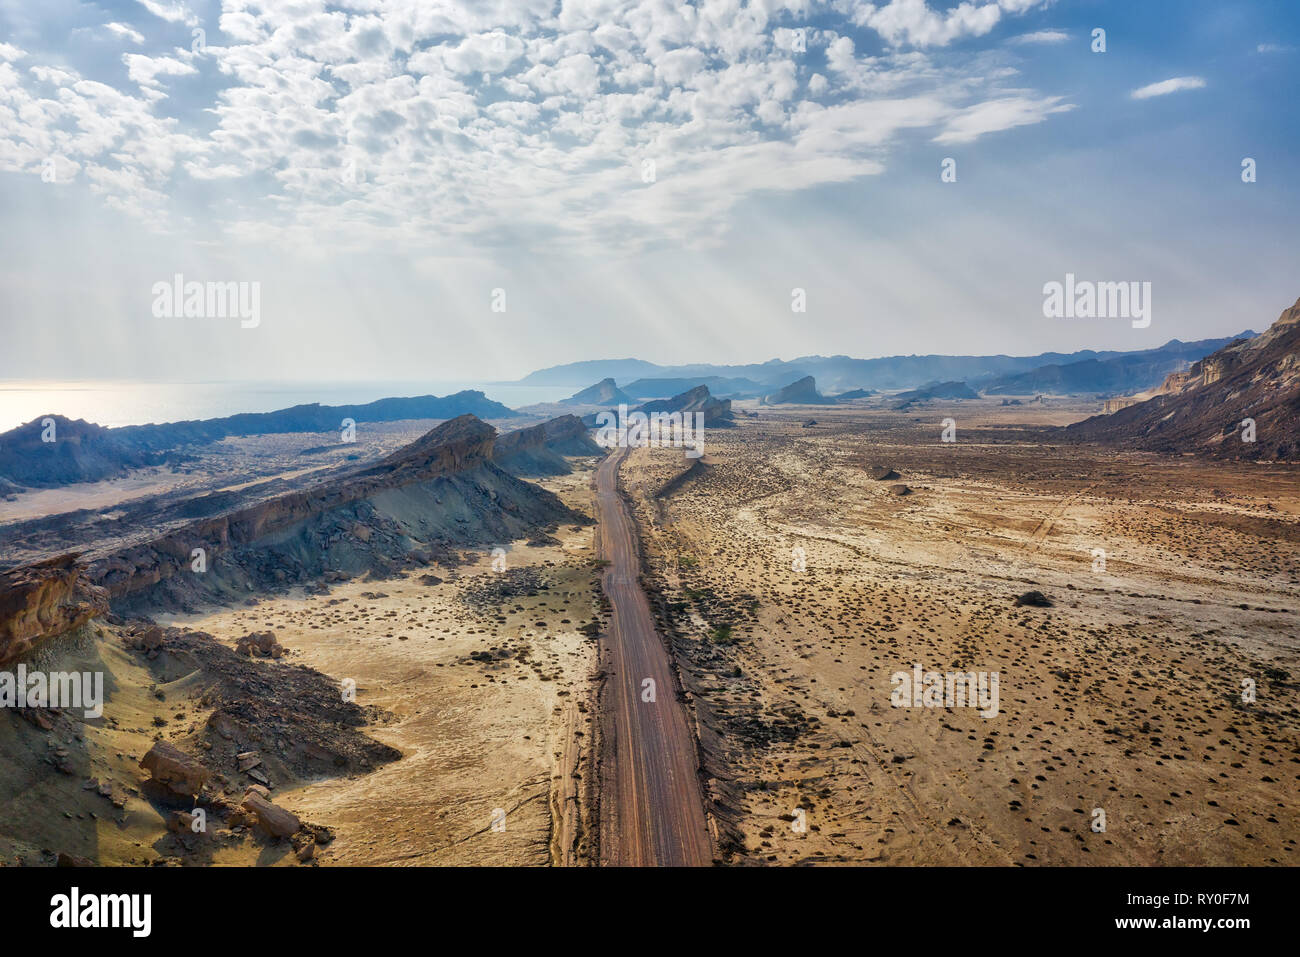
[129,403]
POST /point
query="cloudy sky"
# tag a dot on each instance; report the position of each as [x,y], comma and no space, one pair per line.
[646,179]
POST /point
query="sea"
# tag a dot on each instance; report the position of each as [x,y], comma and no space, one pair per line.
[114,403]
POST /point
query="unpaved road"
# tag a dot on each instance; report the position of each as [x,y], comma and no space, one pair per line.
[651,809]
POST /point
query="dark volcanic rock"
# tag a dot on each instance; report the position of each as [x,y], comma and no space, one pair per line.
[1034,599]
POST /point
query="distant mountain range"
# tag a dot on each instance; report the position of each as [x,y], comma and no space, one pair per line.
[1121,374]
[84,452]
[723,386]
[1138,370]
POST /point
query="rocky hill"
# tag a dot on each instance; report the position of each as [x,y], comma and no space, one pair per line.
[80,452]
[800,392]
[717,412]
[438,494]
[604,392]
[935,390]
[1203,409]
[540,449]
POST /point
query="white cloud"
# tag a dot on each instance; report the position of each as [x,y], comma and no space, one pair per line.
[174,11]
[122,30]
[915,23]
[145,70]
[1042,36]
[996,115]
[1165,87]
[505,121]
[485,53]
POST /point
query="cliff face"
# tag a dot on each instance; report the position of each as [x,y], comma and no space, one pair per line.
[43,600]
[1202,410]
[568,436]
[455,446]
[540,449]
[439,493]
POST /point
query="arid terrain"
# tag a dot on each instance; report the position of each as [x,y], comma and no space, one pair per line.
[1124,695]
[412,690]
[407,705]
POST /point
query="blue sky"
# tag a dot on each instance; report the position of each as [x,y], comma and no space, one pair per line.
[506,145]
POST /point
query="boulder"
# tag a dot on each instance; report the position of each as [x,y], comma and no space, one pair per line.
[261,644]
[180,822]
[275,820]
[174,769]
[1034,599]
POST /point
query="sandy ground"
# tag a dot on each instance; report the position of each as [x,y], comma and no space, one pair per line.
[493,746]
[1125,697]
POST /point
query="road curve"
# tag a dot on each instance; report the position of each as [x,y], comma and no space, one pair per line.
[651,806]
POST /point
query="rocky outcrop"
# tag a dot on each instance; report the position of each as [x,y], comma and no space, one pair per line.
[936,390]
[1242,401]
[717,412]
[800,392]
[441,490]
[1122,402]
[604,392]
[540,449]
[261,644]
[43,600]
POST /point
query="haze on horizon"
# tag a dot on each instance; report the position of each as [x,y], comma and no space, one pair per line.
[503,145]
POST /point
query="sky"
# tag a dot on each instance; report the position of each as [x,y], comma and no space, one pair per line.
[470,191]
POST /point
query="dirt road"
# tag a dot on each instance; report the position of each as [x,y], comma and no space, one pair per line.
[652,809]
